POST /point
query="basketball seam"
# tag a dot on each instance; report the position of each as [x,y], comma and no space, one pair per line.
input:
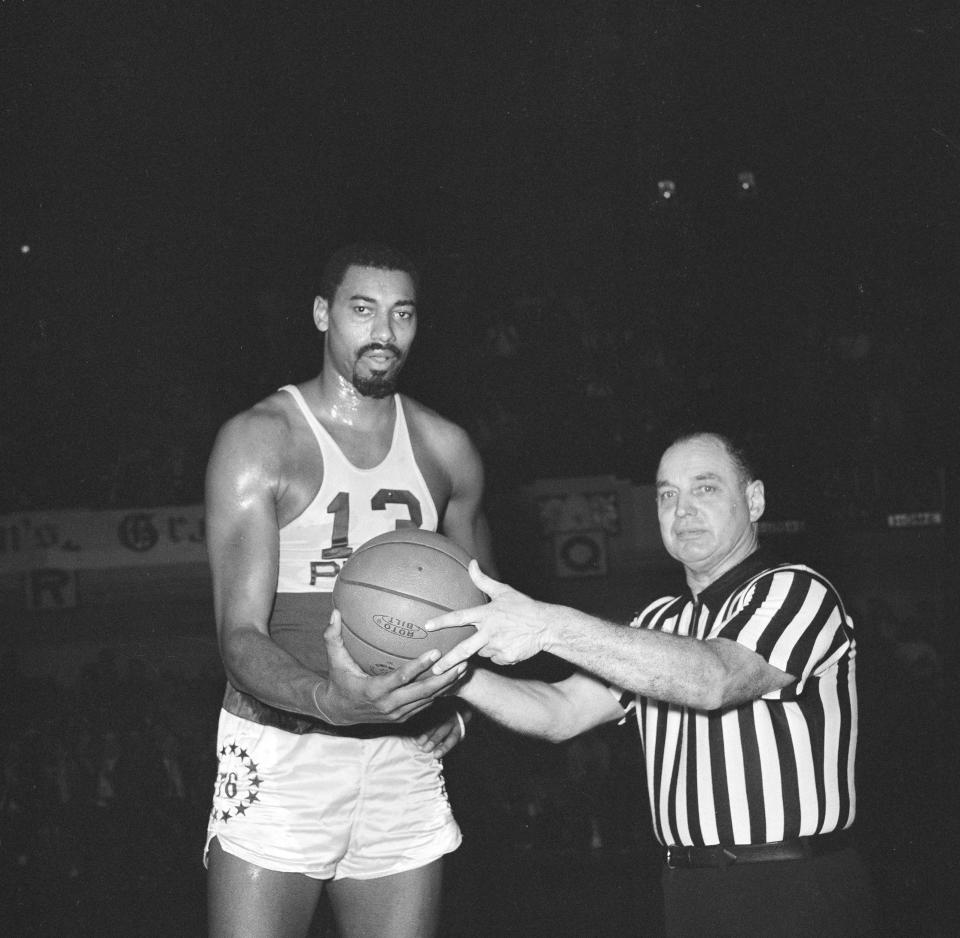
[377,588]
[363,548]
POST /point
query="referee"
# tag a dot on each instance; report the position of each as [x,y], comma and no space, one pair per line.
[745,695]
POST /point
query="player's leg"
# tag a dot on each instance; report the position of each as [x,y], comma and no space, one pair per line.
[402,905]
[248,901]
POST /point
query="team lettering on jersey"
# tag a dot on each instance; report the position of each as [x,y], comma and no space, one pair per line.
[332,557]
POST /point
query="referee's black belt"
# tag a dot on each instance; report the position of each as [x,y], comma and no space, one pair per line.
[802,848]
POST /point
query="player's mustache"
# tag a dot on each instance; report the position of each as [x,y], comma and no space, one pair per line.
[379,347]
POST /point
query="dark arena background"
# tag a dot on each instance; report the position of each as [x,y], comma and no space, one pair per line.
[632,217]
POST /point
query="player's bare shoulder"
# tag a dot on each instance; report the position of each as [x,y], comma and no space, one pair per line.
[434,432]
[257,447]
[443,448]
[257,434]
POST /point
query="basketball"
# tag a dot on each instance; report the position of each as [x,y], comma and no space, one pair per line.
[391,585]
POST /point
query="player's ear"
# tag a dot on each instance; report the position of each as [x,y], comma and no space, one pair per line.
[321,311]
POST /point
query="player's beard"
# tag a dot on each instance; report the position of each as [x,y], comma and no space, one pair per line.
[379,384]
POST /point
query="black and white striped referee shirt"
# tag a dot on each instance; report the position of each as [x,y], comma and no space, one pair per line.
[774,768]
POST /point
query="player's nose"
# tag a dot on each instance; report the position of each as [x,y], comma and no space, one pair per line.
[381,329]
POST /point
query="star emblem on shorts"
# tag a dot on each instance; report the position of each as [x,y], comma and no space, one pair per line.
[238,783]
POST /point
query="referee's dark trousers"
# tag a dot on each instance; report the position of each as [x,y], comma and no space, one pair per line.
[824,893]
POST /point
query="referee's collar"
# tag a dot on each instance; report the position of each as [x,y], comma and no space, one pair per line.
[720,589]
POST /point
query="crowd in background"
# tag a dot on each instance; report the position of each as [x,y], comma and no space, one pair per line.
[105,790]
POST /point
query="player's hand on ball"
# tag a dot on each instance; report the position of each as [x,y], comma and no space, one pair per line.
[352,696]
[510,628]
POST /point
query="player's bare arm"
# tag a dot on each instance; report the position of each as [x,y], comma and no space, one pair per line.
[245,487]
[685,671]
[464,519]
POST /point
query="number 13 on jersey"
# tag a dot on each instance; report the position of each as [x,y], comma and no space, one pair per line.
[340,548]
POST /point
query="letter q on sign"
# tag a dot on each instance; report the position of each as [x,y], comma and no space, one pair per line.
[580,554]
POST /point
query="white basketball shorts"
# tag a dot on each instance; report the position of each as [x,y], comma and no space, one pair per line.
[328,806]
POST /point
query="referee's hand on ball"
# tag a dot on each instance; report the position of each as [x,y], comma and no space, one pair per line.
[510,628]
[352,696]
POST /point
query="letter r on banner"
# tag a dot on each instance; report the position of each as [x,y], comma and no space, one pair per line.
[51,588]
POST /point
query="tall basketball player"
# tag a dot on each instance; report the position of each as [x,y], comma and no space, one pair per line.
[321,782]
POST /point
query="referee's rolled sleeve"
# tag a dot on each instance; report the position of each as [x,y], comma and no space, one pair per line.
[792,620]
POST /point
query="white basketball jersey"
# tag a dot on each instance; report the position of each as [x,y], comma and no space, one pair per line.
[352,506]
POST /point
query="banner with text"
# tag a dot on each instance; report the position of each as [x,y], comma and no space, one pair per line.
[91,540]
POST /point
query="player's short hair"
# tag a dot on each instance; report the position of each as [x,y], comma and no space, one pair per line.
[739,455]
[364,254]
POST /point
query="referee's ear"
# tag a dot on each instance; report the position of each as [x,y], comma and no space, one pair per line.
[756,499]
